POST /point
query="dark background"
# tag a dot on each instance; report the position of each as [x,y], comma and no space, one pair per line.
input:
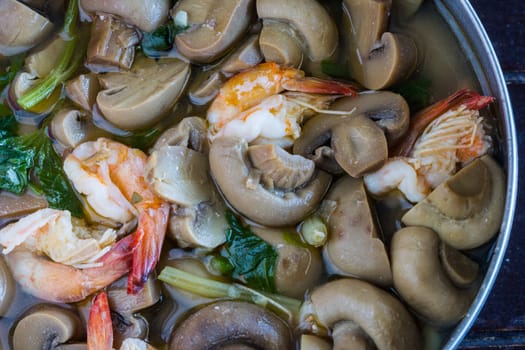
[501,323]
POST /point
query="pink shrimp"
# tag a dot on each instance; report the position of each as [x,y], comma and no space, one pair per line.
[251,100]
[111,176]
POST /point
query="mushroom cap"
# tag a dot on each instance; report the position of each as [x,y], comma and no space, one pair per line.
[7,287]
[145,14]
[190,132]
[280,44]
[72,127]
[354,247]
[379,314]
[142,96]
[83,90]
[466,210]
[16,38]
[311,21]
[122,302]
[421,280]
[46,326]
[243,57]
[231,323]
[238,182]
[214,27]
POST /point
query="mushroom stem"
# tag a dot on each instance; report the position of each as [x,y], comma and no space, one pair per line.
[214,289]
[314,231]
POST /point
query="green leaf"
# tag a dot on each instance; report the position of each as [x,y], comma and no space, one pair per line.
[16,63]
[8,123]
[336,70]
[416,91]
[140,139]
[161,39]
[253,259]
[15,161]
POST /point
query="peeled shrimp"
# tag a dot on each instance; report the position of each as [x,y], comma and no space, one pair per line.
[451,133]
[111,176]
[250,105]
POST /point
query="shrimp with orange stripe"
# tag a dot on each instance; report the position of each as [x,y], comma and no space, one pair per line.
[251,104]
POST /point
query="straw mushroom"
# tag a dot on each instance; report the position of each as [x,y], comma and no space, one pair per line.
[279,43]
[72,127]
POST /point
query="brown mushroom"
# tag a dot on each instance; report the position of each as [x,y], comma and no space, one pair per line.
[22,27]
[245,56]
[421,280]
[111,45]
[379,314]
[147,15]
[142,96]
[354,247]
[46,327]
[13,206]
[378,58]
[214,27]
[298,267]
[122,302]
[205,87]
[128,326]
[190,132]
[349,335]
[71,127]
[83,90]
[7,287]
[279,43]
[240,184]
[311,20]
[466,210]
[312,342]
[231,323]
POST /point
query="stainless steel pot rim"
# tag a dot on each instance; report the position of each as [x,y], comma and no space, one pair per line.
[471,34]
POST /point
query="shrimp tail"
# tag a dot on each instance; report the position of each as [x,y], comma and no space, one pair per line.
[418,123]
[150,234]
[100,327]
[320,86]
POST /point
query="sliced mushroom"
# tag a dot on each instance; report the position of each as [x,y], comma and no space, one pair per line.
[310,19]
[126,326]
[378,58]
[205,87]
[7,287]
[23,82]
[200,225]
[190,132]
[45,58]
[111,45]
[122,302]
[279,168]
[237,180]
[13,206]
[406,8]
[83,90]
[421,280]
[214,27]
[462,270]
[22,28]
[466,210]
[46,327]
[298,268]
[147,15]
[349,335]
[354,247]
[380,315]
[279,43]
[231,323]
[312,342]
[142,96]
[71,127]
[245,56]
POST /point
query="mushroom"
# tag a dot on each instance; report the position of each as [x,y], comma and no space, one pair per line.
[71,127]
[349,335]
[46,327]
[378,58]
[142,96]
[312,342]
[231,323]
[13,206]
[238,180]
[126,326]
[22,28]
[190,132]
[406,8]
[214,27]
[298,268]
[466,210]
[421,280]
[354,247]
[7,287]
[279,43]
[122,302]
[83,90]
[245,56]
[379,314]
[311,21]
[146,15]
[205,87]
[111,45]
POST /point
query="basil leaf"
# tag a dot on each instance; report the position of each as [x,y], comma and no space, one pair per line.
[16,63]
[253,259]
[8,123]
[15,161]
[161,39]
[416,91]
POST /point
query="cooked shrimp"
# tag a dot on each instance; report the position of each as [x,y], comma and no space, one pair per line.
[56,282]
[249,104]
[451,132]
[109,174]
[54,233]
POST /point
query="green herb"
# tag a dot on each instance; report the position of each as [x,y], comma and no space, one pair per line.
[16,63]
[416,91]
[161,39]
[136,198]
[336,70]
[31,160]
[253,259]
[140,139]
[68,64]
[221,265]
[8,123]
